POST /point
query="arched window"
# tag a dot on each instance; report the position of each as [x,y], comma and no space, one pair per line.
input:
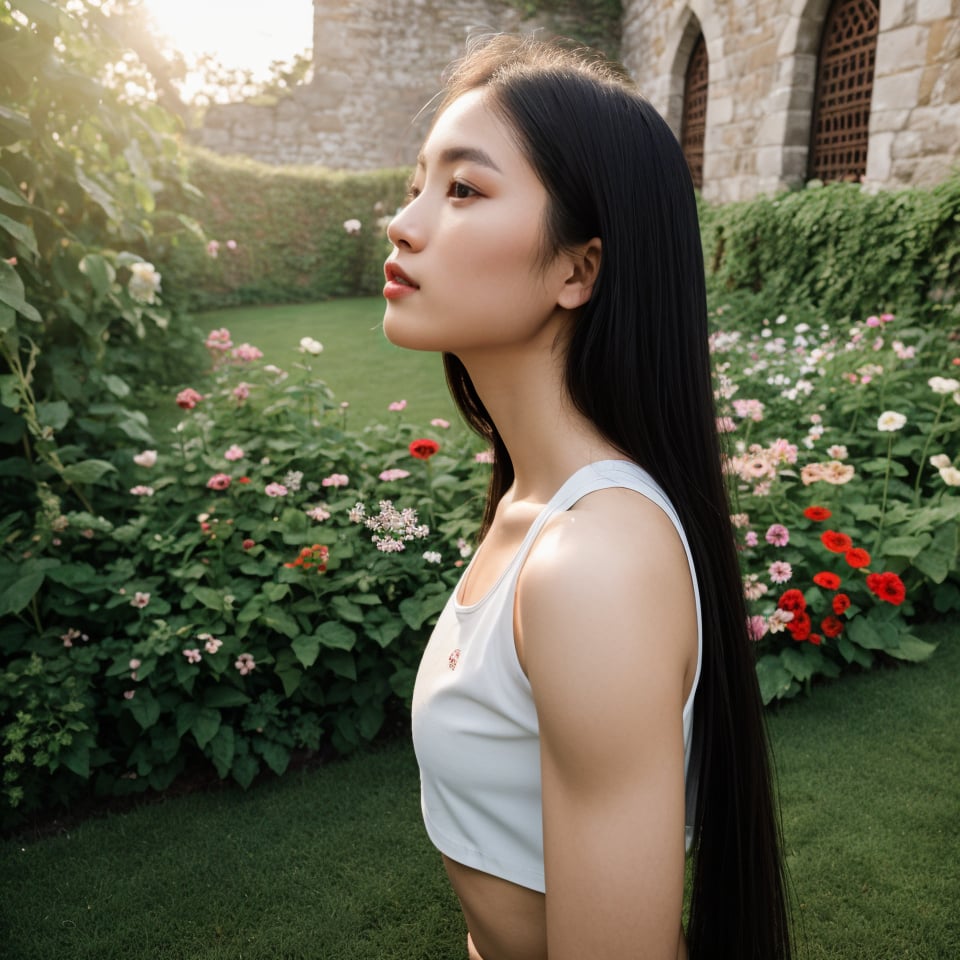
[693,126]
[841,110]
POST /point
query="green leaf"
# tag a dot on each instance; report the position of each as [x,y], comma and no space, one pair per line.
[222,749]
[9,193]
[224,695]
[245,768]
[12,293]
[336,636]
[13,126]
[307,650]
[290,677]
[385,633]
[19,593]
[210,598]
[871,635]
[278,619]
[205,725]
[116,385]
[87,471]
[347,610]
[802,667]
[53,413]
[276,755]
[145,709]
[341,662]
[937,560]
[912,649]
[774,679]
[186,713]
[276,591]
[99,272]
[77,760]
[20,232]
[905,546]
[371,720]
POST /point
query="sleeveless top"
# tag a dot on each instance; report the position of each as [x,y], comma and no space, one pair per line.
[475,730]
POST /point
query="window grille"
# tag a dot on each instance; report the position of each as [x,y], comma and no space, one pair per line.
[841,114]
[693,127]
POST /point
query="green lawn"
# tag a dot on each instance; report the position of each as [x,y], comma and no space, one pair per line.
[334,863]
[358,362]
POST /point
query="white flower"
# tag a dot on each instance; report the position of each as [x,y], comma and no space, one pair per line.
[309,345]
[943,384]
[950,476]
[144,282]
[432,556]
[146,459]
[890,420]
[940,461]
[352,226]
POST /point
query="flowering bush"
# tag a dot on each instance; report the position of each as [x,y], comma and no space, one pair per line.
[240,603]
[848,508]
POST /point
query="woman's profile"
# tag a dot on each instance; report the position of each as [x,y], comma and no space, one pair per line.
[586,712]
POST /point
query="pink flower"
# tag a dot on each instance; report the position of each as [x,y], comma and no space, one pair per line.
[211,644]
[140,600]
[218,341]
[777,535]
[335,480]
[275,490]
[145,459]
[231,244]
[778,620]
[193,656]
[749,409]
[135,664]
[233,452]
[440,422]
[213,249]
[219,481]
[129,694]
[246,352]
[249,544]
[750,538]
[241,391]
[189,398]
[397,405]
[352,226]
[318,513]
[395,473]
[141,490]
[780,571]
[756,627]
[245,664]
[485,456]
[725,425]
[873,321]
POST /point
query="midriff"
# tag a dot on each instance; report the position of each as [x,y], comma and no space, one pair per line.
[505,920]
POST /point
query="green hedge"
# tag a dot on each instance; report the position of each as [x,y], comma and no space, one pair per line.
[287,225]
[839,250]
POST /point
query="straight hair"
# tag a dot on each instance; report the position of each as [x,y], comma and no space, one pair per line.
[638,367]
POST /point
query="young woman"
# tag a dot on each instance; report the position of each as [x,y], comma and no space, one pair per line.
[586,710]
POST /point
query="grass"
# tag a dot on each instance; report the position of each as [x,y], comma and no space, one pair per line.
[358,363]
[333,863]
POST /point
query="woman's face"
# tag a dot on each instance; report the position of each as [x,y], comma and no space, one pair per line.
[467,271]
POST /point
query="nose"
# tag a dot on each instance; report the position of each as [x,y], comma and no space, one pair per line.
[405,232]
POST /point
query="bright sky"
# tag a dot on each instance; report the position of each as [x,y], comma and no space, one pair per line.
[239,33]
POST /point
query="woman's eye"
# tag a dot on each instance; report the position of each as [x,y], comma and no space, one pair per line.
[460,191]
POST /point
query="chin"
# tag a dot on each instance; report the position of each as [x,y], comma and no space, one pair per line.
[404,334]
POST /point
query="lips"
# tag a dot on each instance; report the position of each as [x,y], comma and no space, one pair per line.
[395,274]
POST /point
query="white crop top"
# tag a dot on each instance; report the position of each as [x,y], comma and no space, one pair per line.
[475,729]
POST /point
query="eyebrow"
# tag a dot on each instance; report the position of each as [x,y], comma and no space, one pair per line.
[453,154]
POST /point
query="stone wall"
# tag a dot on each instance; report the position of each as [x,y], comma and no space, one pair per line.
[376,68]
[763,61]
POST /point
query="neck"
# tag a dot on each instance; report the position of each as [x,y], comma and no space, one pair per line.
[547,438]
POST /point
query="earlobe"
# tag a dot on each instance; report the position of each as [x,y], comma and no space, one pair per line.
[584,267]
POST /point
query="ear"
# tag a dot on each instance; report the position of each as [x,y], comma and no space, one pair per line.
[584,265]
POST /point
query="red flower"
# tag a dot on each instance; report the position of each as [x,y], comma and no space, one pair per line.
[792,601]
[888,587]
[815,639]
[243,480]
[309,557]
[857,557]
[248,544]
[423,449]
[799,626]
[188,399]
[836,542]
[817,513]
[827,580]
[832,626]
[841,602]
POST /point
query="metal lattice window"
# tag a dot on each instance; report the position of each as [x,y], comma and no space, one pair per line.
[693,127]
[841,116]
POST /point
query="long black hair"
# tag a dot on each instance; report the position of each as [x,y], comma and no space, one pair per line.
[638,367]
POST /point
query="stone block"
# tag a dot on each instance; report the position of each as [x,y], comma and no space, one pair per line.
[719,110]
[894,13]
[906,144]
[896,92]
[879,157]
[770,162]
[929,10]
[905,47]
[885,121]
